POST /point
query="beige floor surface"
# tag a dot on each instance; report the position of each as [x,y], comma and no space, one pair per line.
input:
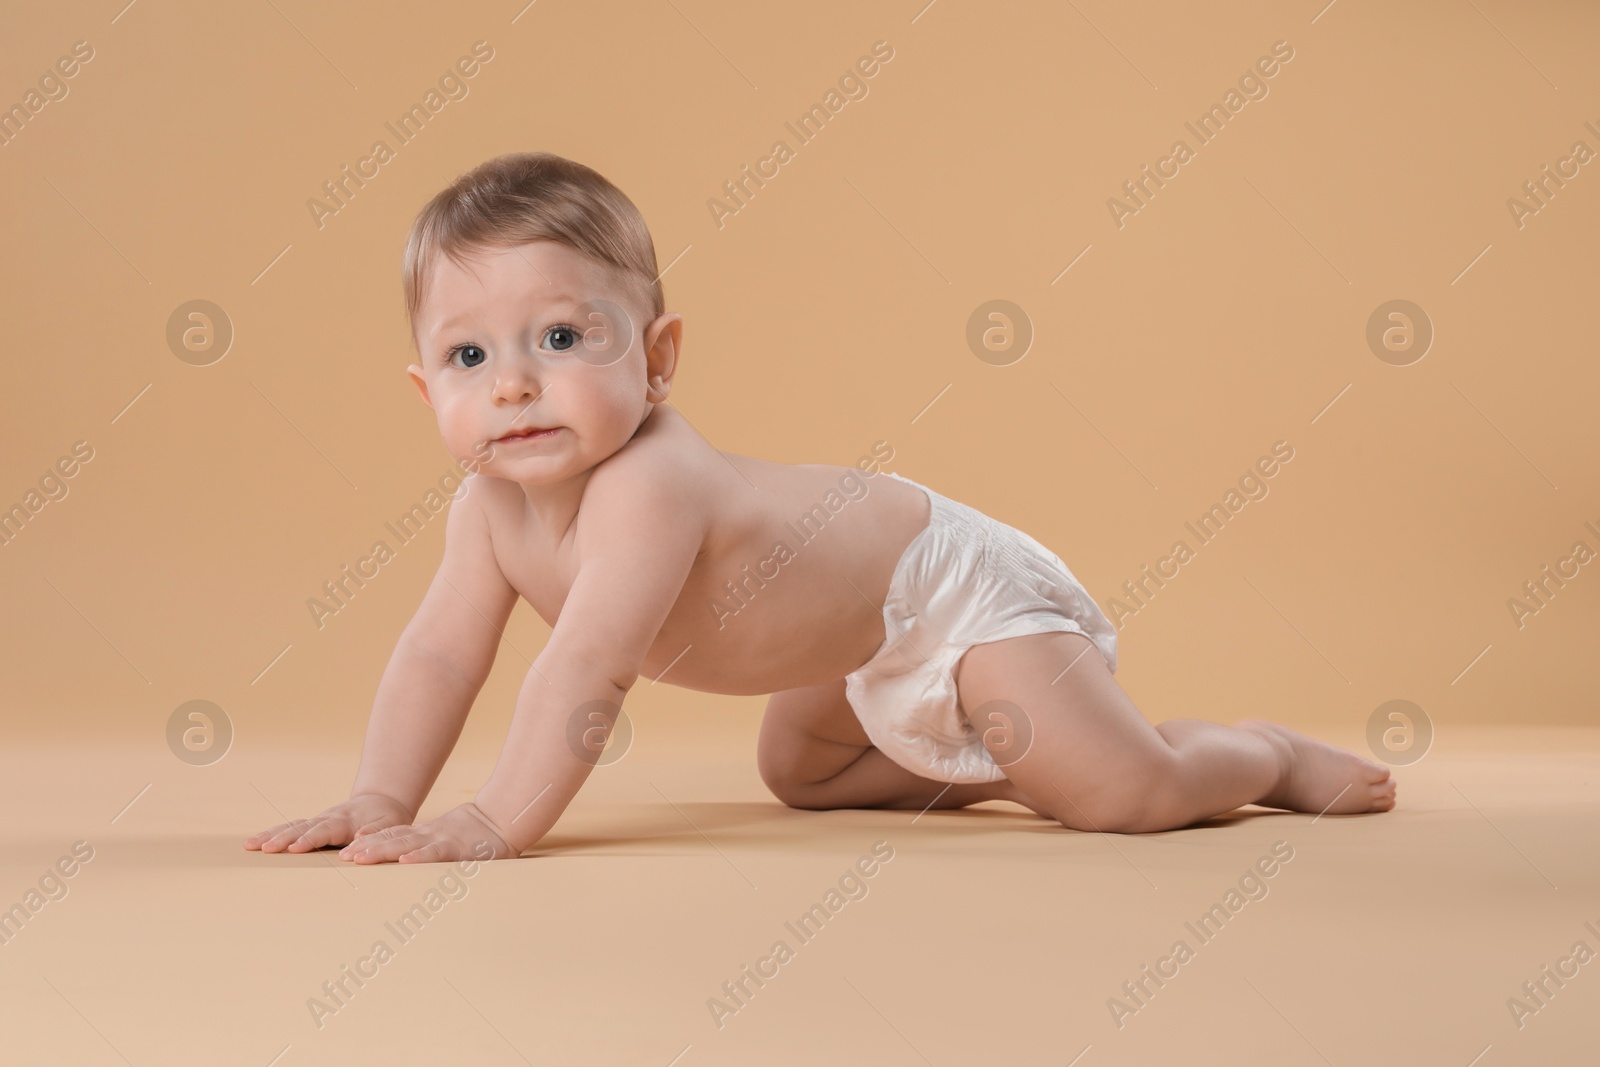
[991,936]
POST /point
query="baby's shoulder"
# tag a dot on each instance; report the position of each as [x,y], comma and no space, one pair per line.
[651,475]
[665,459]
[477,504]
[657,478]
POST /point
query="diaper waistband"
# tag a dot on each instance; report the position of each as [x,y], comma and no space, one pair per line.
[962,520]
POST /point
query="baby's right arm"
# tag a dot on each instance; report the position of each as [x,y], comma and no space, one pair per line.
[439,664]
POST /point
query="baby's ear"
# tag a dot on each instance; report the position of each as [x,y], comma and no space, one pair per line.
[663,342]
[415,371]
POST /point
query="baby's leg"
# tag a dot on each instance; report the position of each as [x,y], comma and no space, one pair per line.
[1095,763]
[814,754]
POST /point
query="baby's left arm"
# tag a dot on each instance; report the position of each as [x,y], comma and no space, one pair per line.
[639,531]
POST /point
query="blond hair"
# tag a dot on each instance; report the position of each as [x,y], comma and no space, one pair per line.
[529,196]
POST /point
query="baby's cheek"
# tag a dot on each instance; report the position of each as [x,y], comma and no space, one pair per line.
[455,420]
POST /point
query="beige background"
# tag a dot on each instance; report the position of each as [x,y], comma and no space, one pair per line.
[828,314]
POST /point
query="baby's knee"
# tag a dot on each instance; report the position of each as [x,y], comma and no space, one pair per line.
[789,792]
[784,776]
[779,782]
[804,796]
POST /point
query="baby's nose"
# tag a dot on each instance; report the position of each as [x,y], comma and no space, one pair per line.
[515,380]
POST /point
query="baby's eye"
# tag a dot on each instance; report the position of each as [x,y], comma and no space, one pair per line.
[468,356]
[562,338]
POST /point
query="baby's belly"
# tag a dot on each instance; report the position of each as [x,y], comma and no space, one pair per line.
[763,644]
[765,628]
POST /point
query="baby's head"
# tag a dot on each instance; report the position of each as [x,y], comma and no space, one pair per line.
[534,302]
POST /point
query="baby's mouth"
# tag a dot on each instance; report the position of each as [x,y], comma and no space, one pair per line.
[532,433]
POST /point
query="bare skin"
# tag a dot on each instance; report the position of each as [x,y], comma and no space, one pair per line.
[649,552]
[1095,763]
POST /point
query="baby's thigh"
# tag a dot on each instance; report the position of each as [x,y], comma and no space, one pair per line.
[1061,727]
[809,734]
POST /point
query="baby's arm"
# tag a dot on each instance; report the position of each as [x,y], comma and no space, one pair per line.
[637,537]
[437,668]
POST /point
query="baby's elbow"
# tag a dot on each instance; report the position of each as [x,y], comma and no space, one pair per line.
[619,671]
[622,678]
[588,674]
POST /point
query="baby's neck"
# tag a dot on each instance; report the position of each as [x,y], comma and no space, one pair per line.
[553,501]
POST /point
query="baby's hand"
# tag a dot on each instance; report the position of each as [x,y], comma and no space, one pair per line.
[462,833]
[337,825]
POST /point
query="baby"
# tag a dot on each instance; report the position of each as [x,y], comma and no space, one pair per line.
[919,654]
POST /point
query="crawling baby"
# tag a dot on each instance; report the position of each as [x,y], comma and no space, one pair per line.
[919,654]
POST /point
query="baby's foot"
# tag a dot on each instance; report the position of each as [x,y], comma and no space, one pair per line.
[1320,778]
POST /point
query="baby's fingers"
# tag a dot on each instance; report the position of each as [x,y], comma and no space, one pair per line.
[279,837]
[255,841]
[437,851]
[385,846]
[322,832]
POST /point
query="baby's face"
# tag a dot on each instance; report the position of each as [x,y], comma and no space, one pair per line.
[537,336]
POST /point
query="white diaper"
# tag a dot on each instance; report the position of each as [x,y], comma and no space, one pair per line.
[964,580]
